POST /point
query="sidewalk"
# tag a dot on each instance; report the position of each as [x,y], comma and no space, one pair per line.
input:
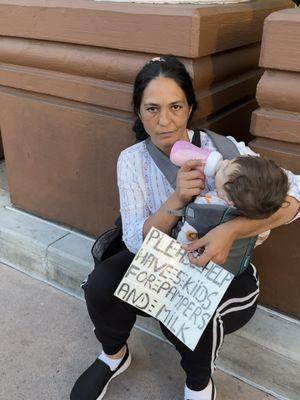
[47,340]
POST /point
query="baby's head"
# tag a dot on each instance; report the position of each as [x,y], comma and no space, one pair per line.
[255,186]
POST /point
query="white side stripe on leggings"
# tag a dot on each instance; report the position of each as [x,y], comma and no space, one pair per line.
[237,300]
[216,353]
[254,272]
[241,299]
[234,309]
[240,308]
[235,306]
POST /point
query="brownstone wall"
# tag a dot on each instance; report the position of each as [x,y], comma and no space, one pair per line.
[276,125]
[66,74]
[1,148]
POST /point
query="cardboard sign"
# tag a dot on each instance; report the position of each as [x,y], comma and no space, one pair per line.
[161,282]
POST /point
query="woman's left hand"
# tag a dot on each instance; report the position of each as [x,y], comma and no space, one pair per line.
[214,246]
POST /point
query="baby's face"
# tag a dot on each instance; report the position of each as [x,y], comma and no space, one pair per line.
[225,169]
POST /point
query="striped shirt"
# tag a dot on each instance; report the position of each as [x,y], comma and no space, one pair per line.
[143,188]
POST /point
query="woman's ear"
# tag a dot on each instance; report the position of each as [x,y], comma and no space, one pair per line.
[190,111]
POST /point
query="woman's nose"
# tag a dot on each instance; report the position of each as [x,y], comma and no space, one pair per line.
[164,118]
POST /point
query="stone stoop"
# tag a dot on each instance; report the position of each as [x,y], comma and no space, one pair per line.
[265,353]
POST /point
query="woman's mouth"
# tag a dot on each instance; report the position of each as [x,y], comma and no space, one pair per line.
[166,133]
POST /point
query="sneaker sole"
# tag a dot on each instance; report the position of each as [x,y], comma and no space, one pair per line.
[118,372]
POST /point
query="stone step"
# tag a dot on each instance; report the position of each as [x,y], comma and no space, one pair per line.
[44,250]
[253,362]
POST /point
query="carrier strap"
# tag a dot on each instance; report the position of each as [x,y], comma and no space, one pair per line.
[163,162]
[224,145]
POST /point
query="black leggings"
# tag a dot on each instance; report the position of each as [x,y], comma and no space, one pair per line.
[113,319]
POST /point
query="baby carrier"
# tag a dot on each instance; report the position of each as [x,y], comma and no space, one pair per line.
[202,217]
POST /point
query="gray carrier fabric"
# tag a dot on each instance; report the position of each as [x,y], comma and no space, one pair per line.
[224,145]
[205,217]
[163,162]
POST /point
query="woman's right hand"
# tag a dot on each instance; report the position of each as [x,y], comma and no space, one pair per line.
[190,181]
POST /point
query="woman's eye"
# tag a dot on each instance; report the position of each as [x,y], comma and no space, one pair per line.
[152,109]
[176,107]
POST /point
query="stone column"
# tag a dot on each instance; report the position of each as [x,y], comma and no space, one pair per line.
[276,125]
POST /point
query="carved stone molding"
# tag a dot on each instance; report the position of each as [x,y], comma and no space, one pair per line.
[276,125]
[187,30]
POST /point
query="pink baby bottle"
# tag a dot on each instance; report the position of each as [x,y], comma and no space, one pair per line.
[183,151]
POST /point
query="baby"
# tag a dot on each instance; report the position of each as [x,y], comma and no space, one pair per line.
[255,186]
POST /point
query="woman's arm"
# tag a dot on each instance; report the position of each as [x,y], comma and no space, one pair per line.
[246,227]
[136,217]
[217,243]
[161,219]
[134,210]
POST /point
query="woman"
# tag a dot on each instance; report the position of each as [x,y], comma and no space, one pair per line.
[164,102]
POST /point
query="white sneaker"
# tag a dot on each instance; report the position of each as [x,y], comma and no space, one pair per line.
[213,392]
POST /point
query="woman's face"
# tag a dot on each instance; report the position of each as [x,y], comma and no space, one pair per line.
[164,112]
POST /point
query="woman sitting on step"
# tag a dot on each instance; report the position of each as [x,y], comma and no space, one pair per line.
[164,102]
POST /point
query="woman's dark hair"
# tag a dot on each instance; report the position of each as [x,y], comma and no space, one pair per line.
[168,67]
